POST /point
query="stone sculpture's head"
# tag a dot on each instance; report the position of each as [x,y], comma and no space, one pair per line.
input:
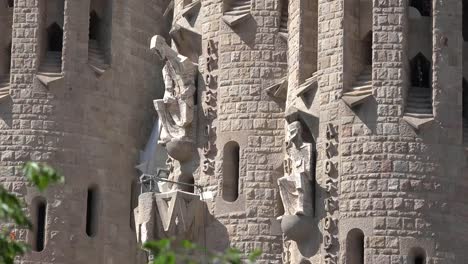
[295,132]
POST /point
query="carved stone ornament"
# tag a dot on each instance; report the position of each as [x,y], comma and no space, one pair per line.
[328,223]
[174,214]
[327,241]
[176,110]
[296,185]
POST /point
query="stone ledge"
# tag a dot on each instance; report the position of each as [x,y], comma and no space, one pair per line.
[417,122]
[98,70]
[47,79]
[224,207]
[355,98]
[279,90]
[308,85]
[233,21]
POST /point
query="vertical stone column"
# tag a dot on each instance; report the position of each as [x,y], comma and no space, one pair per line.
[252,57]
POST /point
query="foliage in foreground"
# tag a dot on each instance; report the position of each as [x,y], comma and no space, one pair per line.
[190,253]
[11,210]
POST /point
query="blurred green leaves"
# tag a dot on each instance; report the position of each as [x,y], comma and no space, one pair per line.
[41,175]
[190,253]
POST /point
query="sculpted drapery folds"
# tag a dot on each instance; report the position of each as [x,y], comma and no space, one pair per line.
[296,185]
[175,110]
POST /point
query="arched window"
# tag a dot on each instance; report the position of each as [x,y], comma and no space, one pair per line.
[420,71]
[417,256]
[355,247]
[423,6]
[54,38]
[92,211]
[39,216]
[231,158]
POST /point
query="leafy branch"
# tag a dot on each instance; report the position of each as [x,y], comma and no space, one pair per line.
[12,210]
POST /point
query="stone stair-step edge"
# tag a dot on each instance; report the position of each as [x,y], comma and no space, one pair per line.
[364,80]
[237,8]
[4,80]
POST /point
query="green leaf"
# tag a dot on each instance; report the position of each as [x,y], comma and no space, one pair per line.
[41,175]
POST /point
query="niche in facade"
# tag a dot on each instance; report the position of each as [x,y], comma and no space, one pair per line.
[284,18]
[39,216]
[51,44]
[10,3]
[465,110]
[133,202]
[231,163]
[92,211]
[100,21]
[419,96]
[358,44]
[6,19]
[355,247]
[358,52]
[236,11]
[417,256]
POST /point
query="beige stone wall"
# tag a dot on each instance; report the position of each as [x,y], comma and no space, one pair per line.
[90,127]
[403,188]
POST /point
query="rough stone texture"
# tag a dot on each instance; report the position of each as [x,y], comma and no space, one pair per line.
[394,184]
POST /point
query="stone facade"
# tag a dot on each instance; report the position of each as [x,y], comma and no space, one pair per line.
[375,89]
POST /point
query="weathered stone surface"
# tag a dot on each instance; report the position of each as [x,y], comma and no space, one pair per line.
[378,87]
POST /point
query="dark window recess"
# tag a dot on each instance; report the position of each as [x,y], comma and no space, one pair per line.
[417,256]
[355,247]
[424,6]
[420,71]
[92,212]
[465,20]
[231,158]
[8,62]
[54,38]
[94,23]
[11,3]
[367,45]
[40,226]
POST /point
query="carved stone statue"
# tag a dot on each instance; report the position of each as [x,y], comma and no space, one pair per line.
[296,186]
[176,109]
[175,214]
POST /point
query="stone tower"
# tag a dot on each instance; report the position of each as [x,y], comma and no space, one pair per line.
[77,82]
[319,131]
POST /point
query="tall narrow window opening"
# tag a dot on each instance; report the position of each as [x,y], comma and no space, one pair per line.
[231,159]
[133,202]
[284,17]
[39,215]
[355,247]
[100,22]
[6,22]
[419,96]
[358,45]
[54,38]
[51,39]
[417,256]
[11,3]
[92,207]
